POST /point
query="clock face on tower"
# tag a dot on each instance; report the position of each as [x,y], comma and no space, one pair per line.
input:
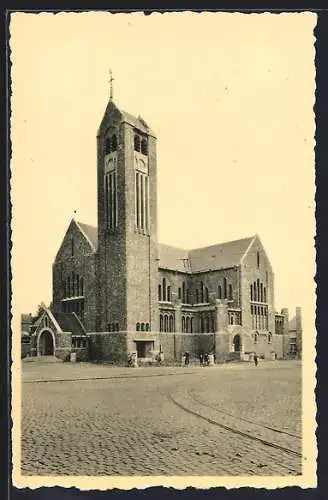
[110,163]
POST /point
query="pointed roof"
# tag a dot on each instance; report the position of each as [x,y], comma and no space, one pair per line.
[114,110]
[173,258]
[221,256]
[90,232]
[214,257]
[292,324]
[69,322]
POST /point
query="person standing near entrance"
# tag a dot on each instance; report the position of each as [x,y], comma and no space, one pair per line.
[256,359]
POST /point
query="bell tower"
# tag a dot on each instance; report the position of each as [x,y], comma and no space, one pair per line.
[127,264]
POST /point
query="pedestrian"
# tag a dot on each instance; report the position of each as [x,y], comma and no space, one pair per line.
[187,358]
[201,359]
[255,359]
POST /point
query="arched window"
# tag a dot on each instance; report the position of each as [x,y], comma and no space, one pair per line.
[171,329]
[166,326]
[255,291]
[201,292]
[219,292]
[225,288]
[183,324]
[261,292]
[188,325]
[77,285]
[81,287]
[147,327]
[73,284]
[191,322]
[169,294]
[207,324]
[179,292]
[197,296]
[188,296]
[114,142]
[264,295]
[164,289]
[160,322]
[137,143]
[107,146]
[72,247]
[258,258]
[251,292]
[201,324]
[206,295]
[142,327]
[138,327]
[230,293]
[144,146]
[117,327]
[258,290]
[212,324]
[159,292]
[183,293]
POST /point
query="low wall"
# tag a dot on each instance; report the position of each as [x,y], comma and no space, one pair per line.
[108,346]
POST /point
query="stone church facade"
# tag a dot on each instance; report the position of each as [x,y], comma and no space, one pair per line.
[117,291]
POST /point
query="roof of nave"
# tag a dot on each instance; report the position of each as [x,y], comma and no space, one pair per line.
[220,256]
[214,257]
[173,258]
[69,322]
[91,232]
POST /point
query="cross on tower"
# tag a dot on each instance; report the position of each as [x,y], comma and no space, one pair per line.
[111,79]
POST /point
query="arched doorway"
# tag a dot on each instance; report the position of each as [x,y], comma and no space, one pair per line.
[46,344]
[237,343]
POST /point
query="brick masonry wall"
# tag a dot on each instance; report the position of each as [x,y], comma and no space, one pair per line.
[83,263]
[111,264]
[141,249]
[110,347]
[250,273]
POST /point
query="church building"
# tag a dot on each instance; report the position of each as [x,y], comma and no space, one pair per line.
[117,290]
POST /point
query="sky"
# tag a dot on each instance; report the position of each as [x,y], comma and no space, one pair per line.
[230,98]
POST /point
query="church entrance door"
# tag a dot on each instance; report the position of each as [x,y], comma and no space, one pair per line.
[46,344]
[237,343]
[144,350]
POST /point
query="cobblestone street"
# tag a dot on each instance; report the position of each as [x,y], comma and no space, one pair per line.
[236,419]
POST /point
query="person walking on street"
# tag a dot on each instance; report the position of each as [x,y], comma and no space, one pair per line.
[256,359]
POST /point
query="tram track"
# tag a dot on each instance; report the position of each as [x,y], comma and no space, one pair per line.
[230,429]
[243,419]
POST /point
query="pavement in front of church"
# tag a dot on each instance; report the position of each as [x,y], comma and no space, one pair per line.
[238,419]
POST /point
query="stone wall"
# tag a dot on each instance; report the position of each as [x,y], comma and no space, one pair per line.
[250,272]
[63,345]
[83,264]
[108,346]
